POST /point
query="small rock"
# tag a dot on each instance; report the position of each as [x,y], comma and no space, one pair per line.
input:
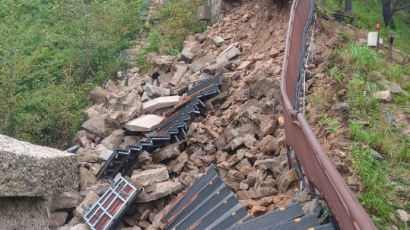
[176,165]
[154,92]
[144,97]
[97,126]
[151,176]
[99,95]
[257,210]
[269,145]
[163,60]
[132,112]
[229,53]
[403,216]
[340,106]
[243,186]
[64,200]
[375,76]
[288,178]
[187,56]
[170,151]
[87,178]
[236,143]
[376,154]
[179,73]
[392,87]
[144,157]
[144,123]
[218,41]
[244,65]
[249,140]
[162,189]
[202,62]
[281,121]
[384,95]
[312,207]
[200,37]
[103,152]
[88,201]
[160,103]
[114,139]
[273,164]
[57,219]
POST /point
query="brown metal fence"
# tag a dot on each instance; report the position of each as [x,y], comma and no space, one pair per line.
[316,165]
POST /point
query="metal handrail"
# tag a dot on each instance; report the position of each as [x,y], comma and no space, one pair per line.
[316,165]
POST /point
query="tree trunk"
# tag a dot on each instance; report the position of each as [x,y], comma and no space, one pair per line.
[348,7]
[388,14]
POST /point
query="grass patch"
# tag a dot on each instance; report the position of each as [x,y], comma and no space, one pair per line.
[176,20]
[51,54]
[377,192]
[368,13]
[361,70]
[329,124]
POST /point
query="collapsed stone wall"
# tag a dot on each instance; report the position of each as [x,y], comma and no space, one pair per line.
[242,131]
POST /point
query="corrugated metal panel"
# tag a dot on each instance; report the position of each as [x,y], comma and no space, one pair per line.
[272,219]
[323,227]
[208,204]
[302,223]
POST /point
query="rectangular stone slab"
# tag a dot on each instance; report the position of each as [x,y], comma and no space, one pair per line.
[33,170]
[24,213]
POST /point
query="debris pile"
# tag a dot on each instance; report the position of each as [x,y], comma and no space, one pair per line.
[241,132]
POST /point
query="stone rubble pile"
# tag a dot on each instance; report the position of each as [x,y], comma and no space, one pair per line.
[242,131]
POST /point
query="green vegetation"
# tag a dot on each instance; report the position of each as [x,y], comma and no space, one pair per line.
[51,54]
[330,125]
[176,20]
[368,13]
[383,179]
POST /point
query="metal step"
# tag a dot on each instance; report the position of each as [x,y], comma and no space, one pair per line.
[170,130]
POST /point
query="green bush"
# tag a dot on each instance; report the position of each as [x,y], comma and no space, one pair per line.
[363,58]
[51,54]
[376,191]
[177,20]
[368,13]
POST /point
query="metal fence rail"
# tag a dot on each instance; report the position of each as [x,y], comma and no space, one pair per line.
[316,165]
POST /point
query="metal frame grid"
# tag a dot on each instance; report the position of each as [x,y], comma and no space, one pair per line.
[107,210]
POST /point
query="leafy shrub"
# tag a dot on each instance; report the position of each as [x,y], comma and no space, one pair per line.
[51,54]
[363,58]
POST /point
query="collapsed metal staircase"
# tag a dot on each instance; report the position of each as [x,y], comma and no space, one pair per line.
[209,204]
[170,130]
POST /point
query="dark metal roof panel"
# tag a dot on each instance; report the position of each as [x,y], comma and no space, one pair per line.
[324,227]
[302,223]
[272,219]
[208,204]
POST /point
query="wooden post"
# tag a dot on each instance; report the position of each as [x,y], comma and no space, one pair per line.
[391,38]
[378,34]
